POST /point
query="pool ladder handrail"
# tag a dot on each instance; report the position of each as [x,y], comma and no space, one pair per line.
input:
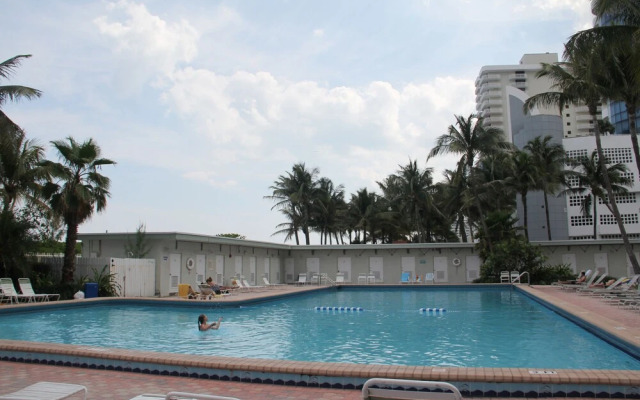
[324,276]
[519,278]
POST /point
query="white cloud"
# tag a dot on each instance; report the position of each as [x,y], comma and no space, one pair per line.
[145,43]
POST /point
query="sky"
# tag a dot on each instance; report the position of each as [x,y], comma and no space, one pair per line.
[203,104]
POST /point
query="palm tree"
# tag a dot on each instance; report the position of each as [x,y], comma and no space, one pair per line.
[591,184]
[21,174]
[470,139]
[413,197]
[294,193]
[14,92]
[362,213]
[329,208]
[450,194]
[78,189]
[579,81]
[523,180]
[625,11]
[548,159]
[620,63]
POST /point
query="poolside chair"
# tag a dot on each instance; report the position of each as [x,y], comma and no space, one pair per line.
[315,279]
[271,285]
[362,278]
[599,291]
[379,388]
[340,277]
[27,289]
[8,290]
[249,286]
[405,277]
[579,286]
[514,276]
[429,277]
[302,279]
[504,277]
[371,278]
[46,390]
[180,396]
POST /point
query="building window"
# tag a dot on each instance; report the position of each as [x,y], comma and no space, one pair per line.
[626,198]
[576,200]
[568,132]
[568,115]
[568,123]
[581,220]
[609,219]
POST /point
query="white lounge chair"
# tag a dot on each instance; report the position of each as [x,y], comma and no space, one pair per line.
[181,396]
[362,278]
[599,291]
[302,279]
[515,277]
[371,278]
[249,286]
[579,286]
[271,285]
[401,389]
[504,277]
[8,290]
[46,390]
[27,289]
[429,277]
[340,277]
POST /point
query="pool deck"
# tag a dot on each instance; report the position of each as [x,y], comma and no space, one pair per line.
[112,384]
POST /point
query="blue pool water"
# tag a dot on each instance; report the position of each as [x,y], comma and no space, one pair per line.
[483,327]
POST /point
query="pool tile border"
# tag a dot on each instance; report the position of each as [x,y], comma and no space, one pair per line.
[475,382]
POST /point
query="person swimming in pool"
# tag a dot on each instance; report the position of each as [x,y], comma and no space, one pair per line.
[203,326]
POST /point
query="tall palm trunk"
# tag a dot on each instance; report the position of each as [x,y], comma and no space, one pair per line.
[610,194]
[525,210]
[69,265]
[595,216]
[546,211]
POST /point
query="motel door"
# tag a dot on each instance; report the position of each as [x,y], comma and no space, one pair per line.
[275,266]
[344,266]
[289,270]
[375,267]
[201,264]
[629,266]
[313,266]
[174,272]
[473,268]
[440,269]
[220,270]
[267,269]
[238,266]
[252,270]
[409,265]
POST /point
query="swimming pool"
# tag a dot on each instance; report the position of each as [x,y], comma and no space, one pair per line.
[482,327]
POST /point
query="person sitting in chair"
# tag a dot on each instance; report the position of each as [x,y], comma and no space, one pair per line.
[214,286]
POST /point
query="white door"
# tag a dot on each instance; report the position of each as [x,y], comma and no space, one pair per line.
[344,266]
[473,268]
[201,266]
[289,270]
[238,266]
[375,267]
[220,270]
[275,267]
[267,269]
[313,266]
[252,270]
[440,269]
[601,262]
[570,260]
[174,272]
[409,265]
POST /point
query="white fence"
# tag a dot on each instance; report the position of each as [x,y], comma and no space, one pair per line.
[136,276]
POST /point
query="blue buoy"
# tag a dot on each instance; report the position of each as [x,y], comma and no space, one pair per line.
[434,310]
[322,308]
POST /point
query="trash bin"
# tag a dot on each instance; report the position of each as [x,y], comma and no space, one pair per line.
[90,290]
[183,290]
